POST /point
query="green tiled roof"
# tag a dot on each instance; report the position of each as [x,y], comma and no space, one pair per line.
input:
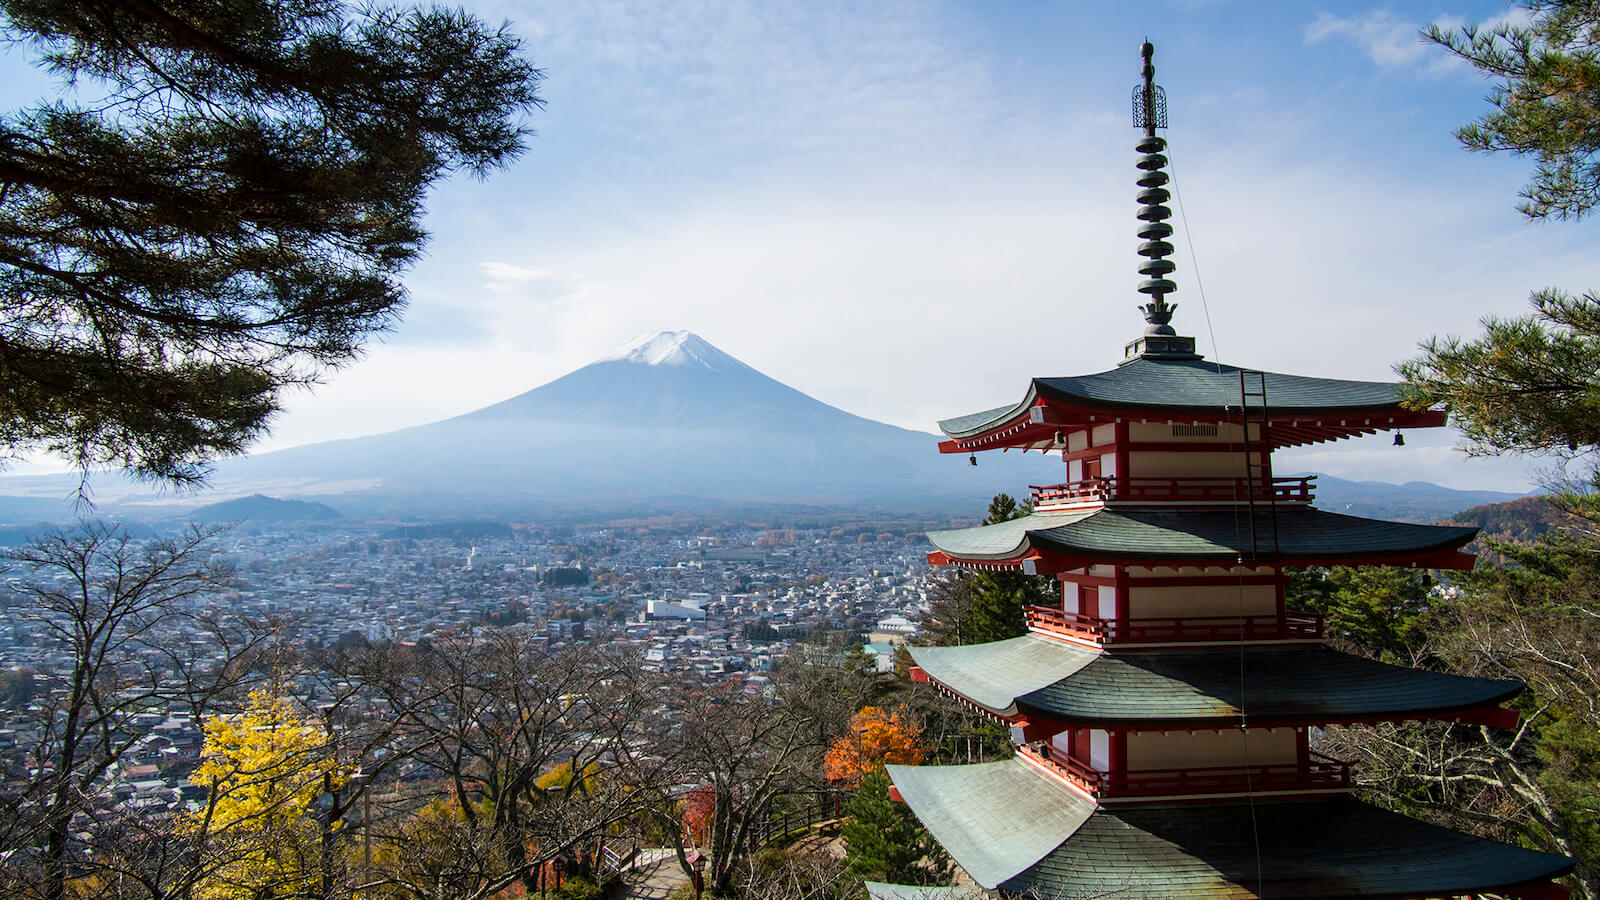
[1066,682]
[981,421]
[1199,534]
[1187,386]
[1286,684]
[994,819]
[993,675]
[1326,848]
[1002,540]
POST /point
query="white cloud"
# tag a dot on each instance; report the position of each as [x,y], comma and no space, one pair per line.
[1388,40]
[530,283]
[800,79]
[1393,42]
[507,274]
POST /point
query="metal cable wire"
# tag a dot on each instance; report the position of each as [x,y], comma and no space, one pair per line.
[1205,307]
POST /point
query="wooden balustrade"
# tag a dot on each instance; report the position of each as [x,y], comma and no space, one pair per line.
[1318,773]
[1112,488]
[1289,626]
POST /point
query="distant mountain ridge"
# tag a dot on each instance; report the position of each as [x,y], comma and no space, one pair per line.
[262,509]
[1519,521]
[667,421]
[664,424]
[1414,501]
[672,379]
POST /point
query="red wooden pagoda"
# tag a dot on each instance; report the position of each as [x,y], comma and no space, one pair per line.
[1165,712]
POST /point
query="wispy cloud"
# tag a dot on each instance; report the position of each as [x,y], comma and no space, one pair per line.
[1393,42]
[1388,40]
[797,79]
[531,283]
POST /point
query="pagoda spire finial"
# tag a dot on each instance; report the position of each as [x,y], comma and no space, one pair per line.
[1150,113]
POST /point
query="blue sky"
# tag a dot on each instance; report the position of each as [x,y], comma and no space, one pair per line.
[907,209]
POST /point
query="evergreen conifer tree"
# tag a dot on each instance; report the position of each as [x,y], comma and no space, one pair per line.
[884,842]
[1532,383]
[222,207]
[978,607]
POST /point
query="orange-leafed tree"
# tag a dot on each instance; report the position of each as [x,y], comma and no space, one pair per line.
[877,737]
[699,806]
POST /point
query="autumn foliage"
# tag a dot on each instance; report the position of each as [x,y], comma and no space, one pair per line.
[877,738]
[265,770]
[699,805]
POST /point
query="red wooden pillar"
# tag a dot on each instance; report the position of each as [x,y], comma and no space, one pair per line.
[1120,438]
[1120,574]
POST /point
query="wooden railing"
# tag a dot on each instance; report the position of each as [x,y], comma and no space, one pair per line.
[1175,490]
[790,813]
[1289,626]
[1319,773]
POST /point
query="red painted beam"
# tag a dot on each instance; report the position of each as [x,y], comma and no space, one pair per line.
[1287,429]
[1544,890]
[1488,716]
[1034,731]
[1047,562]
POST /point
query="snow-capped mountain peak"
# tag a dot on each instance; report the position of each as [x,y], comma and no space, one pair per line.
[673,348]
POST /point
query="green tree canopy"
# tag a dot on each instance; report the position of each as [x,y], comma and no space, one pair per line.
[222,207]
[1376,608]
[1531,383]
[884,842]
[978,607]
[1547,91]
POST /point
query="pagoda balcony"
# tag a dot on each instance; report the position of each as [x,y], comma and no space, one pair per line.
[1289,626]
[1202,491]
[1319,773]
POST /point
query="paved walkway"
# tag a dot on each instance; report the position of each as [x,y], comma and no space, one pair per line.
[654,876]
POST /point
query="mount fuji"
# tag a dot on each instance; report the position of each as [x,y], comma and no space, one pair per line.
[666,422]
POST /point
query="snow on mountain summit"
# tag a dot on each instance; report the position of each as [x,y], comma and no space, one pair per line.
[673,348]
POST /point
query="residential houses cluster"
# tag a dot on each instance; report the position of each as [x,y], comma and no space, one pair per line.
[717,608]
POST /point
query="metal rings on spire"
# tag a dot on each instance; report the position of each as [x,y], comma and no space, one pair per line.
[1150,113]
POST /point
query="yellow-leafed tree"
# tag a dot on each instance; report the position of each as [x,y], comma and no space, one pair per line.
[877,737]
[265,769]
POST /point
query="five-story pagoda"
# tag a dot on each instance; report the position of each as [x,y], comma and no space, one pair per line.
[1165,711]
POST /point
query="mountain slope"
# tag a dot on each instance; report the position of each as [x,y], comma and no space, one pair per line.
[260,509]
[1414,501]
[668,420]
[672,380]
[1520,521]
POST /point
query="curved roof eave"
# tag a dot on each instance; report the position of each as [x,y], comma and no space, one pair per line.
[1186,386]
[1037,676]
[1325,848]
[994,674]
[995,819]
[979,422]
[1202,535]
[1281,684]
